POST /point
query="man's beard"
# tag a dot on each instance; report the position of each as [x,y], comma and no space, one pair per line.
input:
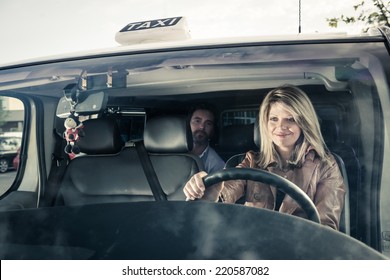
[200,137]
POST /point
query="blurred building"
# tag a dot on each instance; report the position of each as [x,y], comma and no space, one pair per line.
[11,115]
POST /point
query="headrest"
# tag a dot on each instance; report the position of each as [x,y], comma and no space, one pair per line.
[168,134]
[237,138]
[102,136]
[256,132]
[330,131]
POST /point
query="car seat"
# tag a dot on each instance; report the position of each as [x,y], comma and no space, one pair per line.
[251,133]
[168,141]
[236,139]
[112,172]
[108,172]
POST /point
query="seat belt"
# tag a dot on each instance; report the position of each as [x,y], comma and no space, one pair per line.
[57,170]
[150,173]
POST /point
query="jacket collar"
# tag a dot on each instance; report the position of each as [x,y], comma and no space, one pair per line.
[309,155]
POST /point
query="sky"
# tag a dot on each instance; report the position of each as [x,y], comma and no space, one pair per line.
[39,28]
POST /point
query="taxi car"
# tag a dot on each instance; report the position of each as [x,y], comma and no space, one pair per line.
[8,151]
[121,115]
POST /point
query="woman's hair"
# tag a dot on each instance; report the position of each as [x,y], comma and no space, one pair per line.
[302,110]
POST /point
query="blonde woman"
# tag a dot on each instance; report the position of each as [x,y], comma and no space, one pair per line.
[291,146]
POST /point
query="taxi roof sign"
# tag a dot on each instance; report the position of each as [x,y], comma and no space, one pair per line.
[157,30]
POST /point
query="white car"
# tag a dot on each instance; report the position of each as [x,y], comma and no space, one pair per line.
[101,203]
[9,145]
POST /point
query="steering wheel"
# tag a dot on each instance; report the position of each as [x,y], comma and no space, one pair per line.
[269,178]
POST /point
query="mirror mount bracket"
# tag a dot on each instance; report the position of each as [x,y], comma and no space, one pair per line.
[71,95]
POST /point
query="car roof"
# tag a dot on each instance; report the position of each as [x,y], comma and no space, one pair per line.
[202,43]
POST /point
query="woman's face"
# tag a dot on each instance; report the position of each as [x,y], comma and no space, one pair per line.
[282,127]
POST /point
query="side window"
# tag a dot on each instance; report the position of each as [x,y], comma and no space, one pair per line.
[241,116]
[237,133]
[11,132]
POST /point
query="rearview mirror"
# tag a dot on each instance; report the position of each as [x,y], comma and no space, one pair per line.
[93,103]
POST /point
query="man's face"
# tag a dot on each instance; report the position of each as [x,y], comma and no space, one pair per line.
[202,126]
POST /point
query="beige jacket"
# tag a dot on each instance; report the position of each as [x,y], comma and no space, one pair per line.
[321,181]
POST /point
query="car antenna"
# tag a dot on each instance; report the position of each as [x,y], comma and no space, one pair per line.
[299,24]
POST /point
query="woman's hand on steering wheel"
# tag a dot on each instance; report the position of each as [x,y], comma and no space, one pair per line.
[195,188]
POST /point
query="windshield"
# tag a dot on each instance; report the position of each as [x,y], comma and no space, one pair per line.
[109,143]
